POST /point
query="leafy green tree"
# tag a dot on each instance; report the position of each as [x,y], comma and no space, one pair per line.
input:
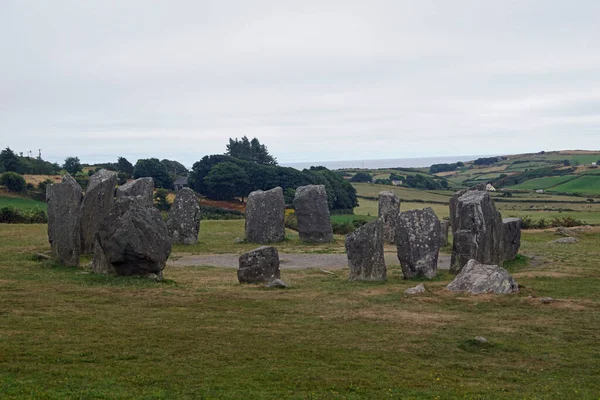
[72,165]
[13,181]
[250,150]
[175,168]
[9,161]
[160,200]
[153,168]
[123,165]
[225,181]
[361,177]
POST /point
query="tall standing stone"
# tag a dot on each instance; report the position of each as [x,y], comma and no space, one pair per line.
[99,197]
[64,220]
[265,213]
[132,240]
[444,225]
[184,217]
[143,187]
[418,243]
[478,231]
[312,211]
[389,208]
[364,248]
[511,238]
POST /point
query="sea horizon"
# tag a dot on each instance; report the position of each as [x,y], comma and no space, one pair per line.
[413,162]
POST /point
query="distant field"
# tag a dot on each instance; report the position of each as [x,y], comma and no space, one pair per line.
[371,208]
[22,204]
[580,158]
[372,190]
[584,184]
[543,183]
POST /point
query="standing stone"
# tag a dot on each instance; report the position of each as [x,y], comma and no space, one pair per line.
[444,225]
[99,197]
[265,213]
[64,220]
[418,243]
[511,237]
[140,187]
[479,278]
[389,208]
[184,217]
[312,211]
[259,265]
[132,240]
[478,231]
[364,248]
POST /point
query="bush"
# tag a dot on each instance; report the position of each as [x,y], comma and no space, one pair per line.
[11,215]
[160,200]
[13,181]
[210,212]
[361,177]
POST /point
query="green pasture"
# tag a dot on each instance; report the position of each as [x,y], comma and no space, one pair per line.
[373,190]
[589,184]
[542,183]
[22,204]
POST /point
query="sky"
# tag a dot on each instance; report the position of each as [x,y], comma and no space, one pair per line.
[312,80]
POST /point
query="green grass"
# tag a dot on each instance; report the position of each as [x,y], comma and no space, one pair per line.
[200,334]
[22,204]
[543,183]
[373,190]
[589,184]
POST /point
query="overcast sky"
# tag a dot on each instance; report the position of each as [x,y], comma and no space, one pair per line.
[313,80]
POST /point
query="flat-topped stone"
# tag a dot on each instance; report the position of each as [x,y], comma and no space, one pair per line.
[265,213]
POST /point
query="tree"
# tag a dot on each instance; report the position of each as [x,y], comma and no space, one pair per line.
[72,165]
[160,200]
[9,161]
[123,165]
[225,181]
[13,181]
[153,168]
[250,150]
[361,177]
[175,168]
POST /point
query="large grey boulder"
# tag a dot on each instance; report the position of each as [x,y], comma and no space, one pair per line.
[364,248]
[98,199]
[444,227]
[312,211]
[64,220]
[477,278]
[511,237]
[418,243]
[259,265]
[478,230]
[143,187]
[184,217]
[132,240]
[265,213]
[389,208]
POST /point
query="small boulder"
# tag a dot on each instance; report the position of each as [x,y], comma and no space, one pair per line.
[479,278]
[277,284]
[259,265]
[389,208]
[312,211]
[265,213]
[143,187]
[418,243]
[420,288]
[184,217]
[64,220]
[565,240]
[511,237]
[132,240]
[546,300]
[97,202]
[364,248]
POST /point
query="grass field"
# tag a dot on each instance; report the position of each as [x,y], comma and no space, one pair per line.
[584,184]
[23,204]
[200,334]
[373,190]
[543,183]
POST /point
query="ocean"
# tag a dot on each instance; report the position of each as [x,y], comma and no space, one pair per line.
[384,163]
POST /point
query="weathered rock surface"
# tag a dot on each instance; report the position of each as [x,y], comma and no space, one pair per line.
[312,212]
[477,278]
[419,289]
[64,220]
[184,217]
[565,231]
[98,199]
[478,230]
[511,237]
[444,227]
[364,248]
[565,240]
[418,243]
[132,240]
[143,187]
[259,265]
[277,284]
[265,213]
[389,208]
